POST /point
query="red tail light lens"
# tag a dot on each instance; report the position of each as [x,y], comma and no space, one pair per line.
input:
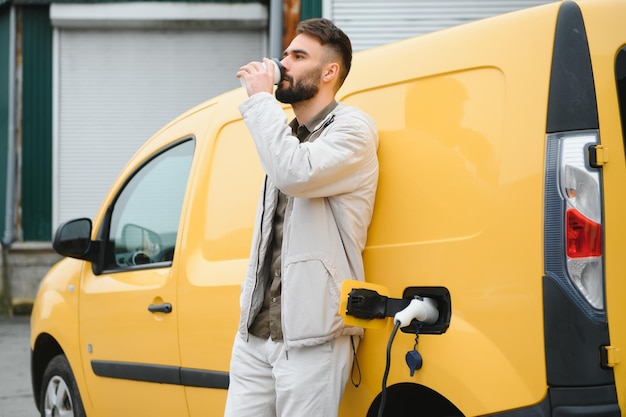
[584,237]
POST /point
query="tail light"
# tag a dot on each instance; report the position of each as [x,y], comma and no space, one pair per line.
[574,251]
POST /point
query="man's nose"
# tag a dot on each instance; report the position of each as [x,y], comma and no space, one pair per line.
[284,62]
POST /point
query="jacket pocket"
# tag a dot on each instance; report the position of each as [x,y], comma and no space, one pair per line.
[310,301]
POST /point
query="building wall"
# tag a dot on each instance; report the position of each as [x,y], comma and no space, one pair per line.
[123,71]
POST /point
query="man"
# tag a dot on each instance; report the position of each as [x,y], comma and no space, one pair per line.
[293,353]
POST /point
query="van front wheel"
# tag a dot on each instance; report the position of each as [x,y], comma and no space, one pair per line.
[60,396]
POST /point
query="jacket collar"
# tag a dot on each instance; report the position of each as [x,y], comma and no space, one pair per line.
[316,121]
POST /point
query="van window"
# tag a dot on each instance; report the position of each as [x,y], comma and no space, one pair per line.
[146,213]
[620,78]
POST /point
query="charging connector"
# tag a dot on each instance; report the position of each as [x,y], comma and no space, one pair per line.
[422,309]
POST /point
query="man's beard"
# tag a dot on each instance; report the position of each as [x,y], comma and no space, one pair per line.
[304,90]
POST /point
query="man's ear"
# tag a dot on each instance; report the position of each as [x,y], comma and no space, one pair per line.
[330,72]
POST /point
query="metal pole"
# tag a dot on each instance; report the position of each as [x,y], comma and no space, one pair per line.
[276,29]
[7,237]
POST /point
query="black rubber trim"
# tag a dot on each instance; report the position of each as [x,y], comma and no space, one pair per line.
[620,79]
[572,402]
[598,401]
[572,98]
[161,374]
[573,341]
[204,379]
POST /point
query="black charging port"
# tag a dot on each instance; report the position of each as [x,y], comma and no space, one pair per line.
[444,305]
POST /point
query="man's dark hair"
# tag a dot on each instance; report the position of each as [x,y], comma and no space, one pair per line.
[331,36]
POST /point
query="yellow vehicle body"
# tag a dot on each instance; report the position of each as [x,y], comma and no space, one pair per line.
[466,118]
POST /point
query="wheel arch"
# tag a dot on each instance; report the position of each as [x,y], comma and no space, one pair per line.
[46,347]
[405,398]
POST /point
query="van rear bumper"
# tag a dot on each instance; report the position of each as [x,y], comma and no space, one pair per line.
[573,402]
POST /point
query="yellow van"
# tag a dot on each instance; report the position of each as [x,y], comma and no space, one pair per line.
[501,164]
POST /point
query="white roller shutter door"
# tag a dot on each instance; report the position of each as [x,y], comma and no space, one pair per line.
[116,87]
[372,23]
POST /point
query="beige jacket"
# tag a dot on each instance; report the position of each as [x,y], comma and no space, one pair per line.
[332,179]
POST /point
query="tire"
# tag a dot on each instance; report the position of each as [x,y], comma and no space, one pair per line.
[59,392]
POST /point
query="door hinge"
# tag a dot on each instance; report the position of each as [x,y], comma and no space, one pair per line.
[609,356]
[598,155]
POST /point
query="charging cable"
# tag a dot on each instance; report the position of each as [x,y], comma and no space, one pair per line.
[422,309]
[383,396]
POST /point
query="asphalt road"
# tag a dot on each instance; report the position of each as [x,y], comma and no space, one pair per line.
[16,397]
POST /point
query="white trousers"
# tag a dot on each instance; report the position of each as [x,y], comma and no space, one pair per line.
[268,381]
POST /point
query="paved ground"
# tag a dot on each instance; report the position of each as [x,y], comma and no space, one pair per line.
[16,398]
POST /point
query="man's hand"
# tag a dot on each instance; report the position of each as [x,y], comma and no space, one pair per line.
[257,76]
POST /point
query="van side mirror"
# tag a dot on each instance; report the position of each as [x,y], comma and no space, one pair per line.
[73,239]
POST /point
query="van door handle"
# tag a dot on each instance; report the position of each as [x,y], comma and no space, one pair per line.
[160,308]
